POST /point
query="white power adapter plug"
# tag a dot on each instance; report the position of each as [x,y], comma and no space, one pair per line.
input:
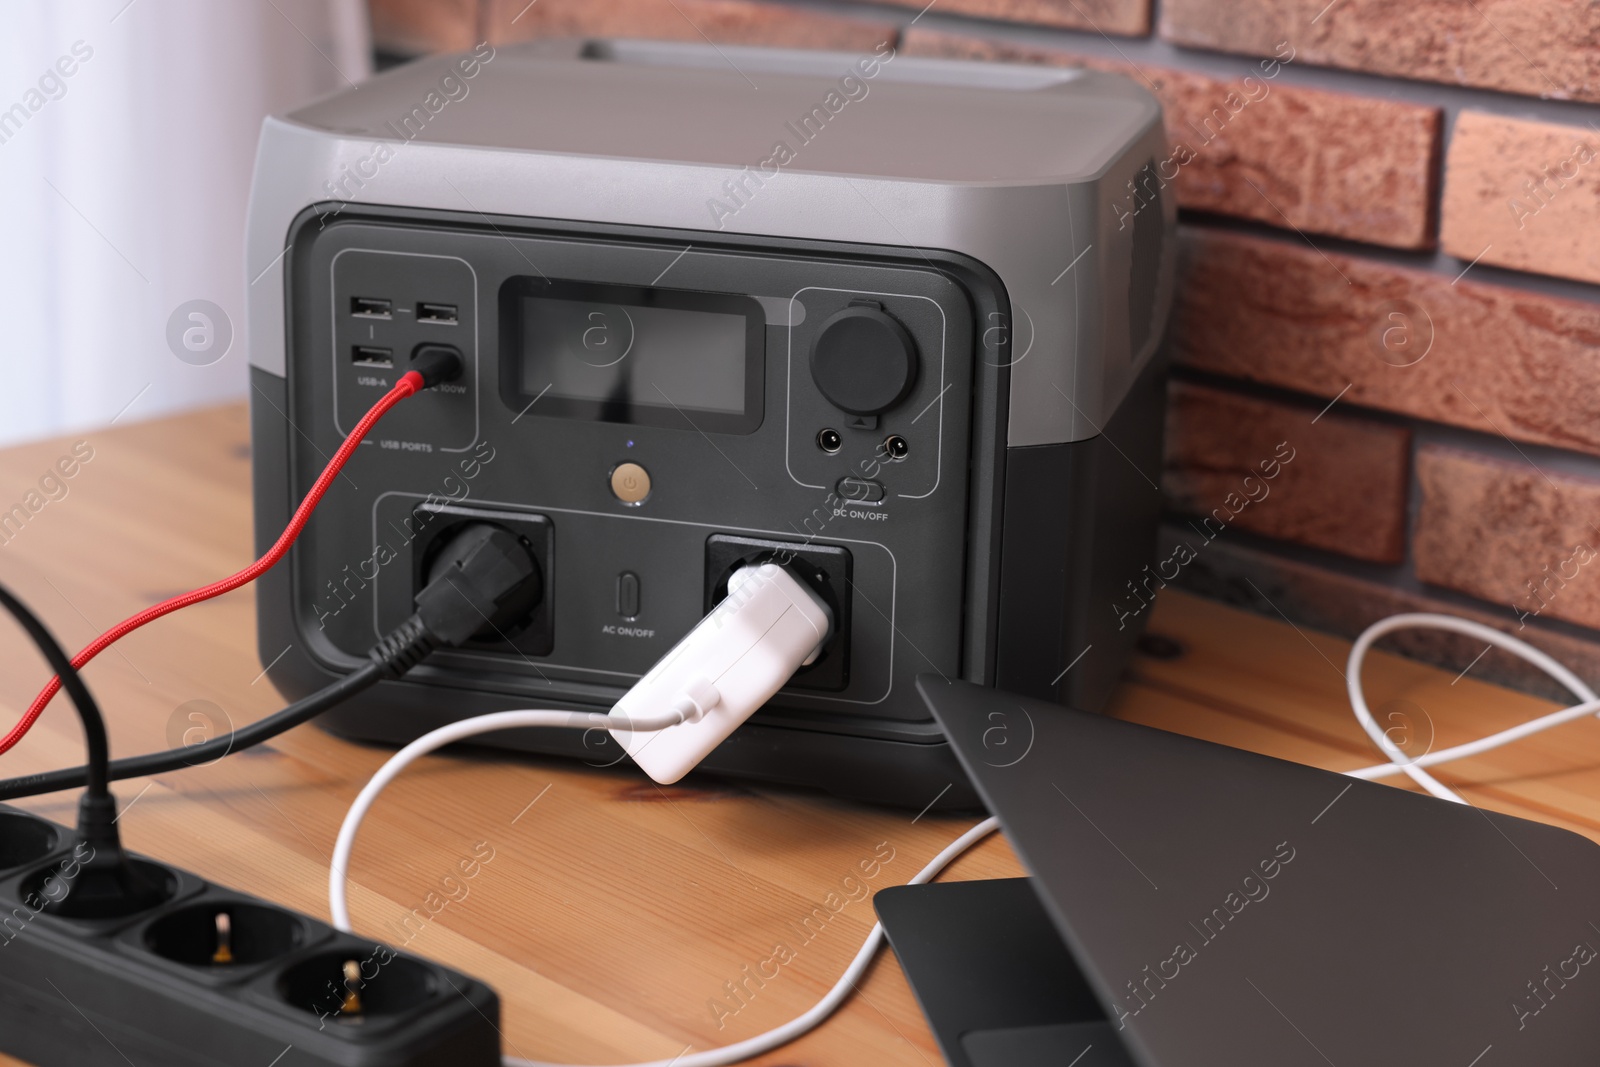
[734,661]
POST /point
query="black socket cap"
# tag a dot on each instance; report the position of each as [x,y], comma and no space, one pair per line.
[863,360]
[482,583]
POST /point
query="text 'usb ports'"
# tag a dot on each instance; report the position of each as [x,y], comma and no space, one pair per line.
[371,307]
[438,314]
[371,356]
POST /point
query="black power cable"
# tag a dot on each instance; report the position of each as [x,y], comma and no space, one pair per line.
[94,774]
[105,883]
[179,758]
[481,578]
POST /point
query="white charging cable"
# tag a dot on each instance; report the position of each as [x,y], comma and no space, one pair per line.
[811,1018]
[1589,702]
[445,735]
[504,720]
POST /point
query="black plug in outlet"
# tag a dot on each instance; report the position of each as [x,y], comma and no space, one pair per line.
[825,568]
[529,624]
[211,977]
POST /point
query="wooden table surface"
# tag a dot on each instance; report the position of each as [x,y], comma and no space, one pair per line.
[612,911]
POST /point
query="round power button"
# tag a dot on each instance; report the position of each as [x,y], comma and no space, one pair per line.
[630,483]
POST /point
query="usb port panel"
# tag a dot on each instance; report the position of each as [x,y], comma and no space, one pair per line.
[371,307]
[438,314]
[372,357]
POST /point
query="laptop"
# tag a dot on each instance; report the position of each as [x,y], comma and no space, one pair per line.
[1194,905]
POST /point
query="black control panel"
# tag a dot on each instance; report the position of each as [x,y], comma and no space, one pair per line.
[647,412]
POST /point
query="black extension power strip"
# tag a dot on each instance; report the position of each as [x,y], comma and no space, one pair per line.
[212,977]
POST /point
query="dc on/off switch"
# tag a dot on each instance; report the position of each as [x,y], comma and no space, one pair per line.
[860,490]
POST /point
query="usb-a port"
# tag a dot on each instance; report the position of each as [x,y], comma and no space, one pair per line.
[371,356]
[439,314]
[371,307]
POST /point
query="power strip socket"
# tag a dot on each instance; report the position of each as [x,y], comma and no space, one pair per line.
[212,978]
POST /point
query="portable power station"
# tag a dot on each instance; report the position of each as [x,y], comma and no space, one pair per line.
[891,321]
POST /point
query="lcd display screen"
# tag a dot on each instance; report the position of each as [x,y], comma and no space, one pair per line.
[630,354]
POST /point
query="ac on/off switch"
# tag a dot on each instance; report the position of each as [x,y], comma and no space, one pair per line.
[628,595]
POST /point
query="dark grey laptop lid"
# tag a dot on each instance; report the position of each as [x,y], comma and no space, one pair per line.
[1233,909]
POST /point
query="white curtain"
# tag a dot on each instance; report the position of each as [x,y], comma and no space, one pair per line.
[127,135]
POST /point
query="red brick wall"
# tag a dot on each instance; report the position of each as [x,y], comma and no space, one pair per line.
[1391,245]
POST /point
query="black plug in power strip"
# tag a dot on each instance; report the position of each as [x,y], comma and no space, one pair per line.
[212,977]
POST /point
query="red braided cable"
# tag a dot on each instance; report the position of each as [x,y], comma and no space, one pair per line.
[409,383]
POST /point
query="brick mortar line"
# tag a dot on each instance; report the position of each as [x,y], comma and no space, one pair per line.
[1554,459]
[1436,262]
[1162,52]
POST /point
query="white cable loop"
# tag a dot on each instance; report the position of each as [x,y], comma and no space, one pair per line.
[729,1054]
[1399,761]
[445,735]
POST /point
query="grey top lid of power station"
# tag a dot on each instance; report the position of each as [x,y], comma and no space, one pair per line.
[926,120]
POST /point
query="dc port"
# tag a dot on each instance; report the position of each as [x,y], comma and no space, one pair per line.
[829,441]
[897,447]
